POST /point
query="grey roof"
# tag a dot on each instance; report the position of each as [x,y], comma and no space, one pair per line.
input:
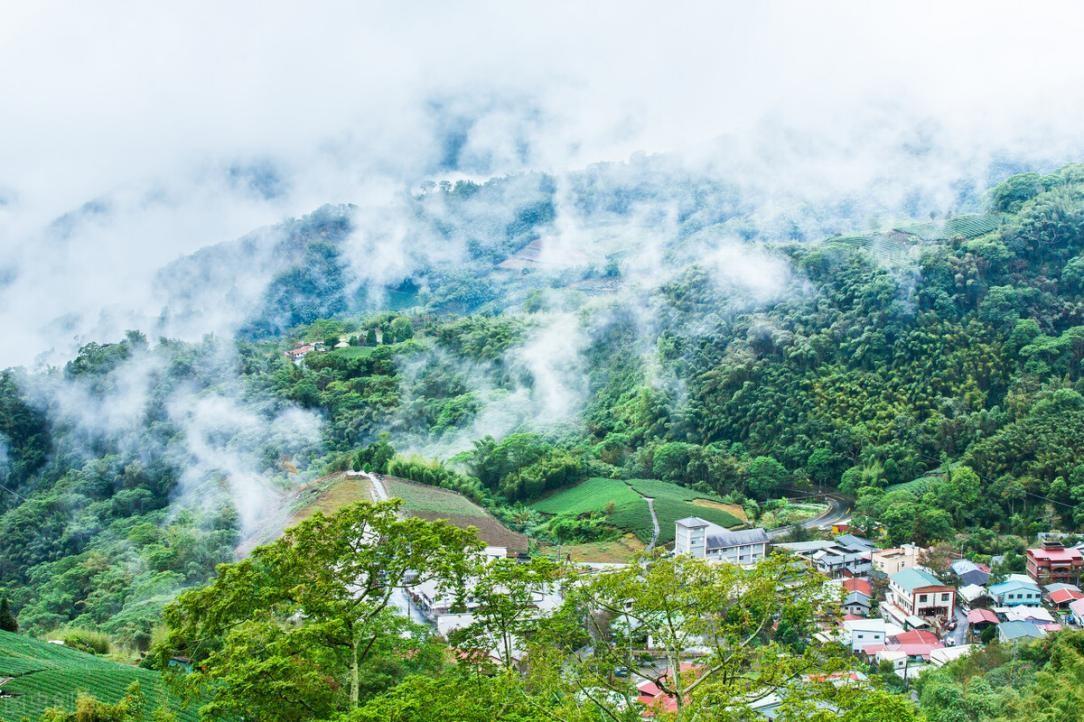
[1060,585]
[851,540]
[725,538]
[806,546]
[692,522]
[961,566]
[1018,630]
[856,598]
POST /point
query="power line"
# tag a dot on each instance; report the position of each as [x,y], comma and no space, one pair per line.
[14,493]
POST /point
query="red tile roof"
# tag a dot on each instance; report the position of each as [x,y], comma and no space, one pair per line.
[652,697]
[1064,596]
[916,636]
[981,616]
[858,585]
[1066,554]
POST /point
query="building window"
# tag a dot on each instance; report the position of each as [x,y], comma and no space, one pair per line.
[922,598]
[944,597]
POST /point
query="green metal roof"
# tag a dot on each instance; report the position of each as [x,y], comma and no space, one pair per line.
[913,578]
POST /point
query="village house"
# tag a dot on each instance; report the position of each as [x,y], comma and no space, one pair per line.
[704,540]
[860,633]
[973,596]
[844,556]
[980,619]
[968,572]
[1076,609]
[1060,595]
[297,353]
[1015,591]
[1035,615]
[1015,631]
[916,596]
[857,596]
[1053,562]
[908,652]
[944,655]
[892,561]
[857,604]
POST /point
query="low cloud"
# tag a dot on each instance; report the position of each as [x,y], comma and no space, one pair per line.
[229,452]
[186,133]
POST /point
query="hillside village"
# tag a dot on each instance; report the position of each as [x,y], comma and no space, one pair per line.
[895,614]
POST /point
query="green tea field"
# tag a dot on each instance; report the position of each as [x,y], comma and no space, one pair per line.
[35,676]
[433,502]
[623,502]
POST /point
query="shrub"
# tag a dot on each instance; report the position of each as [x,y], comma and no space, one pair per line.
[85,640]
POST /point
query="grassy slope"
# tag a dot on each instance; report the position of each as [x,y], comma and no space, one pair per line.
[49,675]
[329,494]
[629,511]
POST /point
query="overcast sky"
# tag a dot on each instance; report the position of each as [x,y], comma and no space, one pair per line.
[345,99]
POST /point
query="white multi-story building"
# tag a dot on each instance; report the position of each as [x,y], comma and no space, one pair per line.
[916,596]
[893,561]
[700,538]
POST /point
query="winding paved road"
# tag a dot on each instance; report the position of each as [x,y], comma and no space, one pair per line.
[839,509]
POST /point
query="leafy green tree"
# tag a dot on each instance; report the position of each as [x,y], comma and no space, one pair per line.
[503,604]
[285,634]
[401,329]
[1013,192]
[8,623]
[766,477]
[463,695]
[752,636]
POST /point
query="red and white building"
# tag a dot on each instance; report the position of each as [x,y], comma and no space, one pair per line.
[1052,563]
[916,597]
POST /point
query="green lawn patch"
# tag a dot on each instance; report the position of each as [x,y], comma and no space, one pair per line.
[972,226]
[587,496]
[352,352]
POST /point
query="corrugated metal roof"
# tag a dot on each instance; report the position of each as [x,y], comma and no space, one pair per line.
[726,538]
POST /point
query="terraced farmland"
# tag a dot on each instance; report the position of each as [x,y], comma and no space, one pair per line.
[329,494]
[673,502]
[972,226]
[433,502]
[35,676]
[623,502]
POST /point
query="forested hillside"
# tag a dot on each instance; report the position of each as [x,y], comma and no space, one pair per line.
[931,370]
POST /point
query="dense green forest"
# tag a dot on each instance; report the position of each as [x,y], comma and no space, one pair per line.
[931,371]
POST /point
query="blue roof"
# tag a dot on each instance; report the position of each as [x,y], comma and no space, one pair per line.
[913,578]
[1011,585]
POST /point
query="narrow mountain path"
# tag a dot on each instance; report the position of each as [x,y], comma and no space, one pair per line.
[654,522]
[377,490]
